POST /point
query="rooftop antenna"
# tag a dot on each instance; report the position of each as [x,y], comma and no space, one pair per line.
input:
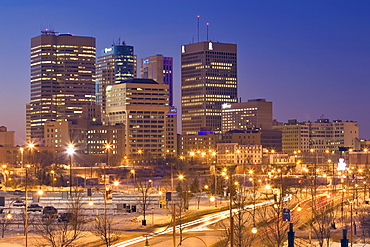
[207,30]
[119,40]
[198,16]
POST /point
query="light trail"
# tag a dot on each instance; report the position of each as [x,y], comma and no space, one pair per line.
[204,221]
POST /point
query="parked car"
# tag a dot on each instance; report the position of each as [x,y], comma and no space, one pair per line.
[18,192]
[65,217]
[34,208]
[50,212]
[19,203]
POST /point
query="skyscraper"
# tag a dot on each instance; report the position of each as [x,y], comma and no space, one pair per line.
[116,64]
[62,79]
[158,68]
[142,105]
[208,80]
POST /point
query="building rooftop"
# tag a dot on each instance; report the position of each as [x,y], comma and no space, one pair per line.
[140,80]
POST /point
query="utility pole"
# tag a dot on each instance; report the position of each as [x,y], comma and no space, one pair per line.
[231,209]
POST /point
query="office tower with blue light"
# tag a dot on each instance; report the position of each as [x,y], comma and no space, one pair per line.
[160,69]
[114,65]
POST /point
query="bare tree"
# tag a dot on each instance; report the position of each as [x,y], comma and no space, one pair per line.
[66,232]
[322,220]
[273,231]
[5,221]
[243,220]
[102,227]
[322,212]
[144,200]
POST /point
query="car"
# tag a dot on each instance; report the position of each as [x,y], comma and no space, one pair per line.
[65,217]
[49,210]
[34,208]
[49,213]
[19,203]
[17,192]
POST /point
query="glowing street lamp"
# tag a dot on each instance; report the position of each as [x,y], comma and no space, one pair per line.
[21,149]
[70,152]
[254,230]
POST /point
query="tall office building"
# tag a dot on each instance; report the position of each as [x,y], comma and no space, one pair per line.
[142,105]
[62,79]
[208,80]
[115,64]
[158,68]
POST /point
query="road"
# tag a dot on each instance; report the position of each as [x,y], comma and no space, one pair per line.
[199,225]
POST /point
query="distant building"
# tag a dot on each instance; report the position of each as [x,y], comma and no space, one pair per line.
[114,65]
[171,133]
[142,105]
[204,141]
[6,137]
[256,113]
[244,156]
[89,137]
[160,69]
[320,136]
[208,80]
[269,139]
[62,79]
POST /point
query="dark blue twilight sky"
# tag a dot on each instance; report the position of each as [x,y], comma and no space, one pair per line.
[308,57]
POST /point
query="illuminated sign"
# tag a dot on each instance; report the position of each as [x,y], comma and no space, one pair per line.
[106,50]
[210,46]
[173,110]
[182,49]
[226,106]
[341,165]
[146,61]
[203,133]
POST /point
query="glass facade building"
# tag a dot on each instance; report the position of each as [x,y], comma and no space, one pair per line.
[115,64]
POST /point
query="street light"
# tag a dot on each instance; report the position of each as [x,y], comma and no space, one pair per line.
[26,206]
[107,147]
[70,152]
[22,151]
[254,230]
[53,179]
[133,177]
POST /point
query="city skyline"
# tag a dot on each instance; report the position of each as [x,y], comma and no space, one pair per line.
[309,59]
